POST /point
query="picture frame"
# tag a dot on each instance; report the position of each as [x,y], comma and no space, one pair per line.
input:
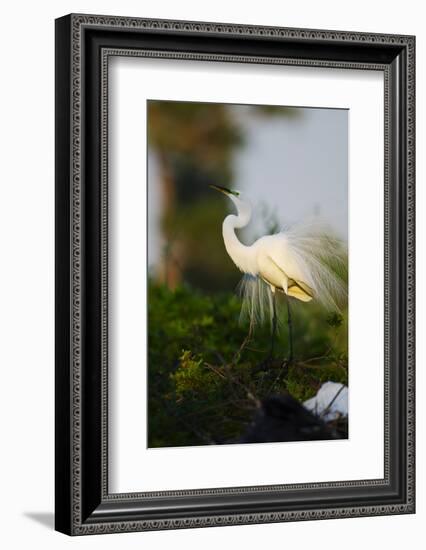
[83,503]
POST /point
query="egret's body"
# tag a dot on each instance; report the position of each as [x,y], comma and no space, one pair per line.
[272,259]
[294,262]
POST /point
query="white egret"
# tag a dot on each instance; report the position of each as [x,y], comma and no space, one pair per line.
[296,262]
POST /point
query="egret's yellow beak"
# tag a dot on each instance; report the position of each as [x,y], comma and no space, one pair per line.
[224,190]
[221,189]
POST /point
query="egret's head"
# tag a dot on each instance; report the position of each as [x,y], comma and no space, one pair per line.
[241,203]
[225,191]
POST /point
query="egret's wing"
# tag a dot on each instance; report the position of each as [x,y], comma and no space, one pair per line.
[300,290]
[291,286]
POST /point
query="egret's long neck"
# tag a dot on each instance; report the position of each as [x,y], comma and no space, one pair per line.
[240,254]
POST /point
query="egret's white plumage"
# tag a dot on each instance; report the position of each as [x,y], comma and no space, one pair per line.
[300,261]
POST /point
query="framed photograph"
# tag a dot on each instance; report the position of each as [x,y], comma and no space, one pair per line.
[234,274]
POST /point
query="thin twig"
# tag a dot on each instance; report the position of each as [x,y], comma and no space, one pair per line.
[237,402]
[331,402]
[284,365]
[244,343]
[235,381]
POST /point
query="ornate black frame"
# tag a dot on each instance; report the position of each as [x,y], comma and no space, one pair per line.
[83,46]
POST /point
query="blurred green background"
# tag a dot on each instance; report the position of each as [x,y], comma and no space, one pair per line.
[205,377]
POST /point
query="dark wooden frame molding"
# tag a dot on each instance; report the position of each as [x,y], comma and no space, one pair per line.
[84,43]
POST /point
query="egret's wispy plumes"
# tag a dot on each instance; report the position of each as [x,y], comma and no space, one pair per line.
[256,300]
[322,258]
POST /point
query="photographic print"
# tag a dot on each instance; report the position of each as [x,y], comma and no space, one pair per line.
[247,273]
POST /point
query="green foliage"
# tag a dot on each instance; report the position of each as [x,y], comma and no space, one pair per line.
[334,319]
[206,375]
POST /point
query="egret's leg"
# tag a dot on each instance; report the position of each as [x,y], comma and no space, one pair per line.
[290,332]
[274,324]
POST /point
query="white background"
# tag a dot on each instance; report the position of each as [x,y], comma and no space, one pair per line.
[360,457]
[26,301]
